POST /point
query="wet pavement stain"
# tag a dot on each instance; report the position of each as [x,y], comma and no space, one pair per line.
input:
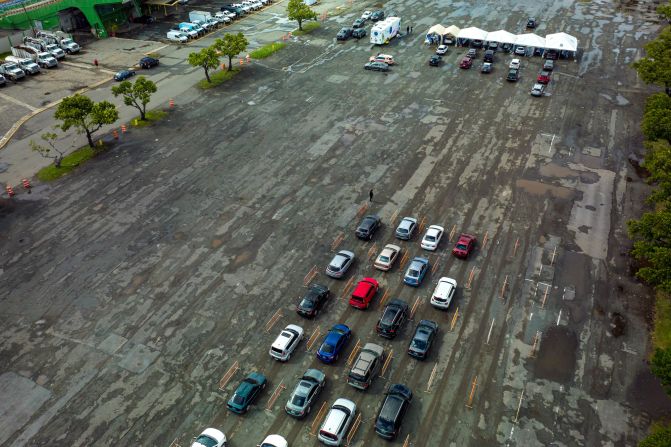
[538,188]
[557,355]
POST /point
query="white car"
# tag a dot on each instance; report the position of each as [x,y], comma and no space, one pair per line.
[177,36]
[442,49]
[432,237]
[537,90]
[286,342]
[366,15]
[274,441]
[337,422]
[211,437]
[515,63]
[443,293]
[387,257]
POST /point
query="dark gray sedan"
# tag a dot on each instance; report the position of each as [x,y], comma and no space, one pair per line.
[305,394]
[423,339]
[376,66]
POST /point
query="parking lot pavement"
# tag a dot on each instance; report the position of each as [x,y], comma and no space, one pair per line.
[132,287]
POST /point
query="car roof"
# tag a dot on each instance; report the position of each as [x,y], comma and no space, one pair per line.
[434,229]
[363,287]
[429,323]
[397,302]
[465,237]
[314,374]
[420,260]
[215,434]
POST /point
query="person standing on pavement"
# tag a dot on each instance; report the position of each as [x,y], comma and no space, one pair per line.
[370,195]
[407,30]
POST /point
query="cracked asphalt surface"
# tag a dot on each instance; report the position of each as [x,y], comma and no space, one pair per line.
[132,286]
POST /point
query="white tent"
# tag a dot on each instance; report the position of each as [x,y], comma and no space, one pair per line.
[561,42]
[436,29]
[501,36]
[472,33]
[452,31]
[530,40]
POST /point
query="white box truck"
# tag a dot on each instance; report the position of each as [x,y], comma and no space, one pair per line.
[382,32]
[43,45]
[26,64]
[41,58]
[61,39]
[202,16]
[12,71]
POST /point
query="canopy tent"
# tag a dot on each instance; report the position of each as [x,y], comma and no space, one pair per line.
[438,30]
[437,33]
[501,36]
[452,31]
[472,33]
[561,42]
[530,40]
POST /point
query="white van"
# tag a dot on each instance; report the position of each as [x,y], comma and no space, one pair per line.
[286,343]
[337,422]
[177,36]
[443,293]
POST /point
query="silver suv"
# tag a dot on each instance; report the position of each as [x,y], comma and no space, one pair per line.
[367,366]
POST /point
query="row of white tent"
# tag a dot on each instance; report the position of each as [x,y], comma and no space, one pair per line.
[558,41]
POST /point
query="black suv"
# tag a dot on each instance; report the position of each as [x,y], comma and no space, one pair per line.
[344,34]
[393,409]
[531,23]
[513,75]
[378,15]
[313,301]
[393,317]
[489,56]
[435,60]
[358,33]
[367,227]
[423,339]
[359,23]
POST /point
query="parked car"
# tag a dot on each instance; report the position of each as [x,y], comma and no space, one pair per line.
[520,50]
[406,228]
[489,56]
[363,293]
[313,300]
[366,15]
[359,23]
[472,53]
[421,342]
[394,315]
[3,81]
[274,441]
[359,33]
[515,63]
[466,63]
[210,437]
[376,66]
[444,293]
[442,50]
[333,430]
[339,264]
[477,43]
[305,394]
[464,246]
[285,343]
[386,58]
[344,34]
[494,46]
[416,271]
[543,77]
[366,366]
[486,67]
[537,90]
[378,15]
[368,225]
[531,23]
[334,343]
[177,36]
[245,394]
[435,60]
[513,75]
[385,260]
[548,65]
[396,402]
[432,237]
[551,54]
[123,75]
[148,62]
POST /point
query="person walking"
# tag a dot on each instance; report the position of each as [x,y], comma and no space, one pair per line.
[407,30]
[411,29]
[370,195]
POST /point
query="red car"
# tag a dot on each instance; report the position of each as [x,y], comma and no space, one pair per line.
[466,62]
[464,246]
[364,292]
[544,77]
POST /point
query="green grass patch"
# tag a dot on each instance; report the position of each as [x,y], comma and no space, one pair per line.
[218,77]
[267,50]
[661,335]
[307,28]
[152,116]
[154,54]
[5,54]
[68,164]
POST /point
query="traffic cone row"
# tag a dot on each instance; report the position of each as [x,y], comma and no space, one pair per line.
[172,101]
[10,191]
[26,183]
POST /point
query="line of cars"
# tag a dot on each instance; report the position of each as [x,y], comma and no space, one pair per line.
[203,22]
[358,30]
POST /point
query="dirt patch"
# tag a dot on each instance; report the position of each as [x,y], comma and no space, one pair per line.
[617,324]
[556,357]
[541,189]
[646,394]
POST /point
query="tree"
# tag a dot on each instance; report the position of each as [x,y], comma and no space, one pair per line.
[299,11]
[658,163]
[137,95]
[45,151]
[206,58]
[660,365]
[660,436]
[656,122]
[652,235]
[664,11]
[231,45]
[86,116]
[655,68]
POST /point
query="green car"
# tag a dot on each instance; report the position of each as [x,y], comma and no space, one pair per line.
[246,393]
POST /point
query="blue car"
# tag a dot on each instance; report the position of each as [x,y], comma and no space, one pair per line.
[248,390]
[334,343]
[416,271]
[123,75]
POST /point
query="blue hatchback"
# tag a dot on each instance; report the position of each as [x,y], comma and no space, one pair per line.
[334,343]
[416,271]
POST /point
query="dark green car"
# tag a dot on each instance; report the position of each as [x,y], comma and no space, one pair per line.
[248,390]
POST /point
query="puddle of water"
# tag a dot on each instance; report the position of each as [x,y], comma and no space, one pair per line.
[557,355]
[540,189]
[555,170]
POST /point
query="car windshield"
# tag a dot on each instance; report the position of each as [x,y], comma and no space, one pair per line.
[206,441]
[385,424]
[430,238]
[238,399]
[413,273]
[328,349]
[419,344]
[307,304]
[388,316]
[299,401]
[461,246]
[402,230]
[384,258]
